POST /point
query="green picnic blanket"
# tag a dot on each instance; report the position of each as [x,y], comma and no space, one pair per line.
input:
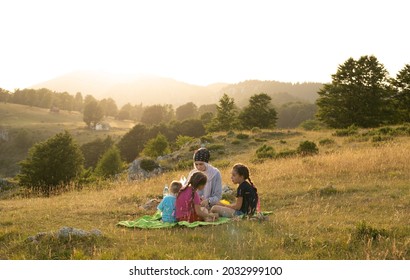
[154,221]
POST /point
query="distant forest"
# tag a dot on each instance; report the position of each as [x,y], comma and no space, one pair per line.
[294,103]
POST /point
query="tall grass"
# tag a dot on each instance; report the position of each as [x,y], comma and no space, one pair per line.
[351,202]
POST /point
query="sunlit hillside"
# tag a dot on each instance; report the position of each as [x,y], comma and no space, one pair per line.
[25,125]
[351,201]
[149,89]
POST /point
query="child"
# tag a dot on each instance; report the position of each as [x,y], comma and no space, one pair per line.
[167,205]
[246,196]
[188,206]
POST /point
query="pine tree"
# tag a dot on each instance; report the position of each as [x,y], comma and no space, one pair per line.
[358,95]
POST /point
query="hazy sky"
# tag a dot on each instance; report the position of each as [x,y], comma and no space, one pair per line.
[199,42]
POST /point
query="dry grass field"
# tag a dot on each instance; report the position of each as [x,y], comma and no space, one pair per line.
[351,201]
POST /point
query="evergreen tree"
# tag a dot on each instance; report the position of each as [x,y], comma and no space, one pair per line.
[110,163]
[225,114]
[259,113]
[157,146]
[93,151]
[52,163]
[358,95]
[401,87]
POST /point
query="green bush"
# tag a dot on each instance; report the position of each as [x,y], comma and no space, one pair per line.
[365,232]
[157,146]
[326,141]
[216,147]
[52,164]
[110,163]
[256,130]
[149,164]
[286,154]
[242,136]
[182,140]
[307,148]
[311,125]
[265,151]
[351,130]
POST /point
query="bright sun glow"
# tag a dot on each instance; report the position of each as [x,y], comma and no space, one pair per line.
[199,42]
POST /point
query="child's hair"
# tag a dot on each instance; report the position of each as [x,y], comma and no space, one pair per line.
[243,171]
[197,179]
[175,187]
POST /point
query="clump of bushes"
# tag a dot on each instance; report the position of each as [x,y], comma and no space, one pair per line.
[326,141]
[351,130]
[148,164]
[311,125]
[307,148]
[242,136]
[365,232]
[265,151]
[256,130]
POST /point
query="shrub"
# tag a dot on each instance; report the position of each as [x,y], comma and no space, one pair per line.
[265,151]
[52,163]
[216,147]
[365,233]
[326,141]
[256,130]
[307,148]
[351,130]
[110,163]
[149,164]
[157,146]
[230,133]
[311,125]
[242,136]
[236,142]
[286,154]
[379,138]
[182,140]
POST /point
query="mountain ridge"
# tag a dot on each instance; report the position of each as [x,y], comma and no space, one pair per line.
[151,89]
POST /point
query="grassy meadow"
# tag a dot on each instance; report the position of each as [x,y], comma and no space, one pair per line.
[351,201]
[32,124]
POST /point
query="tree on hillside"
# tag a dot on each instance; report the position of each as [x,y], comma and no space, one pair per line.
[401,85]
[109,107]
[110,163]
[291,115]
[93,150]
[157,146]
[358,95]
[52,163]
[132,143]
[226,113]
[92,114]
[186,111]
[78,102]
[259,113]
[156,114]
[5,95]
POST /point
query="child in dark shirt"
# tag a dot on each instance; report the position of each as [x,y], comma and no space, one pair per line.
[246,195]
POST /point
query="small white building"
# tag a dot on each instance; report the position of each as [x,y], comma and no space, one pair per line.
[102,126]
[4,135]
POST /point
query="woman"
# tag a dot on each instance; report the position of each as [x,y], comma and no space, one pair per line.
[212,192]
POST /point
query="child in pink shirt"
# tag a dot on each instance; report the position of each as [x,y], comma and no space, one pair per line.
[188,203]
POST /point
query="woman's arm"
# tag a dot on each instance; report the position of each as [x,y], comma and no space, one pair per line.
[216,189]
